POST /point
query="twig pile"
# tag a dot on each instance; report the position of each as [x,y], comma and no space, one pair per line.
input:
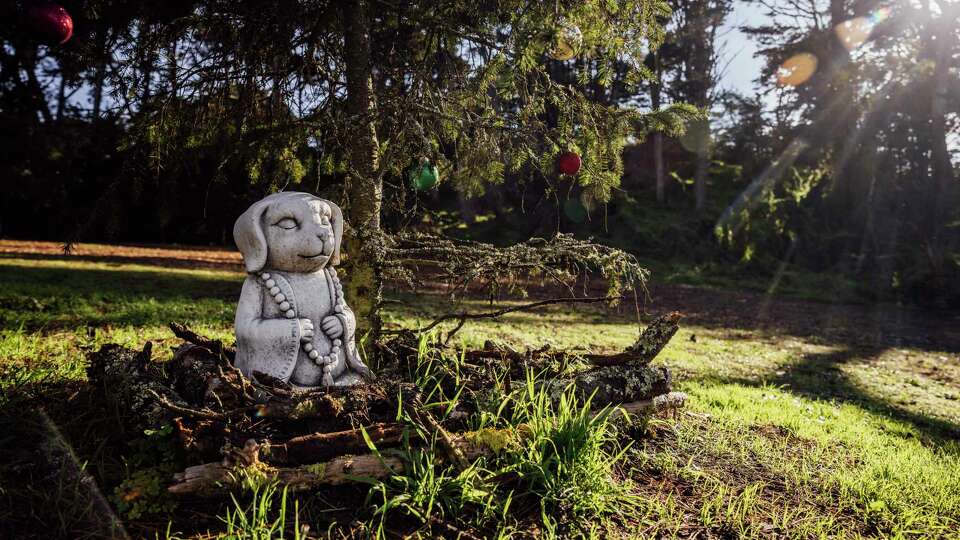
[231,426]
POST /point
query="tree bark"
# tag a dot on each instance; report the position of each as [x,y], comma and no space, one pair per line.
[100,73]
[700,176]
[36,90]
[364,191]
[941,166]
[615,384]
[656,103]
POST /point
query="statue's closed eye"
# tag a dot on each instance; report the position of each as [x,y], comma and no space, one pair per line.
[287,223]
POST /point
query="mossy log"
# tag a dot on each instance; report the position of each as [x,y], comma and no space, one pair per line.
[652,340]
[615,384]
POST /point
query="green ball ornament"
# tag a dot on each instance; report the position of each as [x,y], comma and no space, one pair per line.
[566,42]
[424,175]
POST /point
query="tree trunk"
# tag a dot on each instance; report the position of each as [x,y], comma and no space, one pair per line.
[172,68]
[61,97]
[941,166]
[656,103]
[659,168]
[700,80]
[146,64]
[700,176]
[364,191]
[100,72]
[30,66]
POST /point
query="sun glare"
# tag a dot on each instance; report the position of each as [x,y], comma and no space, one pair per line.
[856,32]
[797,69]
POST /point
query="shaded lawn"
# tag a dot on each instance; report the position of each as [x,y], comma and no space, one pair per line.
[785,433]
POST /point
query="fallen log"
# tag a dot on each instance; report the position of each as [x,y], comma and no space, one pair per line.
[651,341]
[649,344]
[615,384]
[217,479]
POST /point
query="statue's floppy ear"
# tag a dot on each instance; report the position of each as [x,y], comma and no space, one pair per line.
[336,221]
[249,237]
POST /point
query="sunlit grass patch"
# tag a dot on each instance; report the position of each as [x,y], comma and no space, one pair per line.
[49,294]
[864,471]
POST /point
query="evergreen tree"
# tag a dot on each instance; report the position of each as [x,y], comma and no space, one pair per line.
[352,94]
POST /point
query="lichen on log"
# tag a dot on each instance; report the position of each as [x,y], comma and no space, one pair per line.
[615,384]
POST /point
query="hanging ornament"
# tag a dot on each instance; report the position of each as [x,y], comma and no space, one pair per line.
[424,175]
[51,22]
[566,43]
[570,163]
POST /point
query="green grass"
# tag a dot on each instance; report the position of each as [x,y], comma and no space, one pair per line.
[784,435]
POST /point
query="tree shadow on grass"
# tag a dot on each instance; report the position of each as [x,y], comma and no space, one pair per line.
[819,376]
[840,324]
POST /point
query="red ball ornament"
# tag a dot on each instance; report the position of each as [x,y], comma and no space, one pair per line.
[570,163]
[51,21]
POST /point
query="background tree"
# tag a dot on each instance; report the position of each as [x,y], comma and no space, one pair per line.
[694,59]
[874,121]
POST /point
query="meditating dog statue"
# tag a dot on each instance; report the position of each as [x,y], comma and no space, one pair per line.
[293,322]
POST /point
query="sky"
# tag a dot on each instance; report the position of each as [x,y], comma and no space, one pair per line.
[739,50]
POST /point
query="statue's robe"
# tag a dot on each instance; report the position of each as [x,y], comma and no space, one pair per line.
[269,342]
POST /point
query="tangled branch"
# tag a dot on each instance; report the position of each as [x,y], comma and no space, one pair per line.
[466,264]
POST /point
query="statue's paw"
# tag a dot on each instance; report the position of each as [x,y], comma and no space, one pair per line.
[365,372]
[306,330]
[332,326]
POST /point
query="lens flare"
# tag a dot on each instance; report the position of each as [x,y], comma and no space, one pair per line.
[797,69]
[696,138]
[880,14]
[574,210]
[856,32]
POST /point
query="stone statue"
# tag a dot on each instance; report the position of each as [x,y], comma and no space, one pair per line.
[293,322]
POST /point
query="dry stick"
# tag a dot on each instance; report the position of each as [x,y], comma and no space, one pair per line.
[320,446]
[215,479]
[186,411]
[463,316]
[414,407]
[213,345]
